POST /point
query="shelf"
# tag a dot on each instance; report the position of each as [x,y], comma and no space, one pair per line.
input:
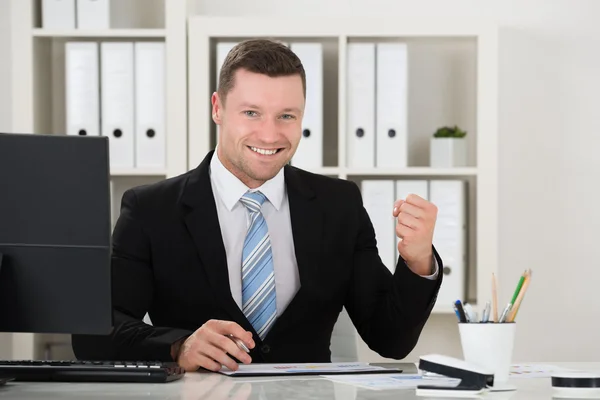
[104,33]
[138,172]
[413,171]
[445,309]
[323,170]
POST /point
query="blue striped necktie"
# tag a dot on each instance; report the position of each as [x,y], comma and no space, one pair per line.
[258,275]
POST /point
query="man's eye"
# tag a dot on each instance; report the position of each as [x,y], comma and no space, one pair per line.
[288,116]
[250,113]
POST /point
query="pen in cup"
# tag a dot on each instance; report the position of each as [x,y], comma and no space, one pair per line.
[461,311]
[505,312]
[485,317]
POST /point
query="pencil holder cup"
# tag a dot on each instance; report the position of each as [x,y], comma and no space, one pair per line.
[489,345]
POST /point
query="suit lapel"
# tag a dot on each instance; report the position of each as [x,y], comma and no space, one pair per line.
[202,223]
[307,229]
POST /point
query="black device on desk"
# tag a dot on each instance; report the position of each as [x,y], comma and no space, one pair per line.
[55,253]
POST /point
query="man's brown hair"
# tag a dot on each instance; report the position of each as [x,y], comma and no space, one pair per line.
[262,56]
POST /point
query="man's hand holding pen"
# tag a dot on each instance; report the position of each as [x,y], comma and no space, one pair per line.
[212,344]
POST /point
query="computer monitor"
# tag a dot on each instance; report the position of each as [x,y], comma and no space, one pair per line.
[55,234]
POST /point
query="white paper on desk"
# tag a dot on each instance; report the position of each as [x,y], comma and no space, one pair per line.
[300,368]
[534,370]
[392,381]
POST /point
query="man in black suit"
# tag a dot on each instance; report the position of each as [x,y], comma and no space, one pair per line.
[249,246]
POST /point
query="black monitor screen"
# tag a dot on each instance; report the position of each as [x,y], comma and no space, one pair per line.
[54,234]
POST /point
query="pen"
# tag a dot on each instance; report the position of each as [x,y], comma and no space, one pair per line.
[471,315]
[486,313]
[461,311]
[505,312]
[518,289]
[495,299]
[239,343]
[517,303]
[457,313]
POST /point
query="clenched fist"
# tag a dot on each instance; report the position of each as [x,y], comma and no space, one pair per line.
[416,222]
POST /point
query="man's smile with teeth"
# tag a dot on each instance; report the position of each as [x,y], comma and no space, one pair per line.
[264,151]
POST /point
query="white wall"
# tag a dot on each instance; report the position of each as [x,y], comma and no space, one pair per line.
[5,81]
[548,152]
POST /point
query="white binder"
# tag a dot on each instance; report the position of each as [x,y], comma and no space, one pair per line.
[223,48]
[82,91]
[404,187]
[150,105]
[309,153]
[93,14]
[360,124]
[58,14]
[117,94]
[392,106]
[378,200]
[450,236]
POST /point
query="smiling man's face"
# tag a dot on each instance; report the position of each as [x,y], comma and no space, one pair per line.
[260,124]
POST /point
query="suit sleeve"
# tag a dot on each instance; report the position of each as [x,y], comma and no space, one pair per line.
[132,294]
[388,310]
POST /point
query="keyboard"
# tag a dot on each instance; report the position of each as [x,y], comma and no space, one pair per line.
[90,371]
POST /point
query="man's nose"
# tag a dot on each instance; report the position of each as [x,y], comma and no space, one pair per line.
[270,131]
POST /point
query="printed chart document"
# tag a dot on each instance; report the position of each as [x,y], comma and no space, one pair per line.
[307,369]
[391,381]
[535,370]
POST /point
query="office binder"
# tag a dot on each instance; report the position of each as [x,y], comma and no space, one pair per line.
[378,201]
[58,14]
[450,236]
[223,49]
[404,187]
[82,90]
[360,125]
[93,14]
[117,101]
[309,153]
[150,139]
[392,106]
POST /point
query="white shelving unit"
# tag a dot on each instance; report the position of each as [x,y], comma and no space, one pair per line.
[38,94]
[453,77]
[459,81]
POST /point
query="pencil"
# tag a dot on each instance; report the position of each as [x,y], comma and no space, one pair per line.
[517,304]
[494,298]
[518,289]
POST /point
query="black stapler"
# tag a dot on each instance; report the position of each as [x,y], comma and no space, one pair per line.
[474,380]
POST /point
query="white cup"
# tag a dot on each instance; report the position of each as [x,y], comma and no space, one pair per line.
[489,345]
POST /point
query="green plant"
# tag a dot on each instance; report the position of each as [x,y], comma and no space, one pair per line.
[450,132]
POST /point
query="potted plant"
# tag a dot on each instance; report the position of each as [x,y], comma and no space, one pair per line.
[448,148]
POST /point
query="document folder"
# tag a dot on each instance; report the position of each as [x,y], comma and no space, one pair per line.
[117,78]
[310,150]
[360,81]
[82,90]
[150,139]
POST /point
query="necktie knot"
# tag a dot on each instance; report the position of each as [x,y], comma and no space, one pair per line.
[253,200]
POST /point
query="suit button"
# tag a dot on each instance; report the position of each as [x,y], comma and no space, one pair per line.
[265,348]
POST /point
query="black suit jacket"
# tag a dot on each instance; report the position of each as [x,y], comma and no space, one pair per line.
[169,260]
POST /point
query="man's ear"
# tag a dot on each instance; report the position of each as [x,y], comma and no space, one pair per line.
[216,108]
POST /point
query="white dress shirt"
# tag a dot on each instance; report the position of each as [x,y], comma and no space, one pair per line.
[234,222]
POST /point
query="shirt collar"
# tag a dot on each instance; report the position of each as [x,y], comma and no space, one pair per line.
[230,189]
